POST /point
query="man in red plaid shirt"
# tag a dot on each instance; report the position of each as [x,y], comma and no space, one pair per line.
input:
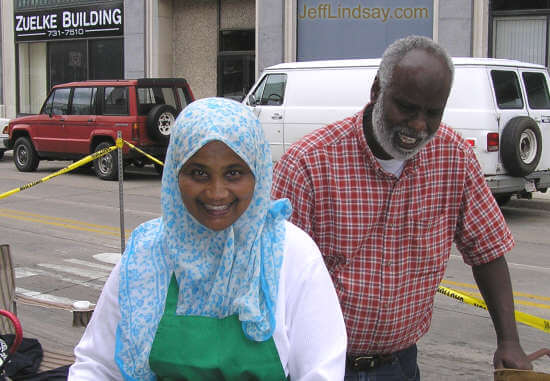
[385,193]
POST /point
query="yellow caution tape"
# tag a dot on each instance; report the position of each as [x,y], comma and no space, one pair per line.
[154,159]
[522,317]
[69,168]
[119,143]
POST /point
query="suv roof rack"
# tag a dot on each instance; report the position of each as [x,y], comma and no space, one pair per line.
[160,81]
[140,82]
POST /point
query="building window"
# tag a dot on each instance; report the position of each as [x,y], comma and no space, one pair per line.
[519,30]
[106,59]
[522,38]
[67,62]
[82,60]
[236,63]
[42,65]
[507,5]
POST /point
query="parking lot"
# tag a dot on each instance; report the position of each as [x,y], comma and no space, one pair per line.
[64,236]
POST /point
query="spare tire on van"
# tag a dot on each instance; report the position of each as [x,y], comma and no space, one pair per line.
[160,121]
[521,146]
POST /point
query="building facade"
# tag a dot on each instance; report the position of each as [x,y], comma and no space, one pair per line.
[221,46]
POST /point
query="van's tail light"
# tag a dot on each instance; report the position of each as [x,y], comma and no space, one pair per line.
[492,141]
[471,142]
[135,131]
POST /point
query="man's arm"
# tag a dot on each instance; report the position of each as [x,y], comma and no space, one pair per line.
[493,280]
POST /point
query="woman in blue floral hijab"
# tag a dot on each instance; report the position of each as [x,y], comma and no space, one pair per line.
[221,286]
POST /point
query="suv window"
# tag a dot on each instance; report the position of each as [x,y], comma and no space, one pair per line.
[47,108]
[57,103]
[507,89]
[83,101]
[115,101]
[271,90]
[151,96]
[537,91]
[183,98]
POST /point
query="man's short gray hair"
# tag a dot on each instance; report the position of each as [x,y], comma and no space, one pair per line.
[399,48]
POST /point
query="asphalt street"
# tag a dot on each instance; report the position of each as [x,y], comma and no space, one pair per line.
[65,238]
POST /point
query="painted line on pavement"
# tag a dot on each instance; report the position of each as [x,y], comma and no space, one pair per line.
[516,301]
[44,297]
[516,293]
[64,278]
[78,204]
[23,272]
[92,274]
[111,258]
[60,222]
[89,264]
[512,264]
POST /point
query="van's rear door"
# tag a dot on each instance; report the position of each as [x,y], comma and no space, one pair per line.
[510,104]
[267,102]
[538,106]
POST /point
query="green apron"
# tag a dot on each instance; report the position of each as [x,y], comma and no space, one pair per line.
[203,348]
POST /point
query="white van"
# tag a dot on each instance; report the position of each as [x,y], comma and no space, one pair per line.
[501,107]
[293,99]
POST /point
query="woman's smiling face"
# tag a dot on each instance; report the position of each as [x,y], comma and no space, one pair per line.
[216,185]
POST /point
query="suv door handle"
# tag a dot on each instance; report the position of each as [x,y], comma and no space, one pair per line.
[276,116]
[545,119]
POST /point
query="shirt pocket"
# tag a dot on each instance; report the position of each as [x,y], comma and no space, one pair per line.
[429,244]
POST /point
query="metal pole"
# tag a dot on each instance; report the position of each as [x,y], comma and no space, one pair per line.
[121,192]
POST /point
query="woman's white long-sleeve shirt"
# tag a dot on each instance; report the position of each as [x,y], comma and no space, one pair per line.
[310,334]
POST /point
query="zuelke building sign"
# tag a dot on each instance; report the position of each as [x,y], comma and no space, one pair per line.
[69,23]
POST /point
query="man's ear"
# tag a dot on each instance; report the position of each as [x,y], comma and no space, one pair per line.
[375,89]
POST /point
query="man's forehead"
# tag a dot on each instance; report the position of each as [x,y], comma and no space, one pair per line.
[422,59]
[422,76]
[424,68]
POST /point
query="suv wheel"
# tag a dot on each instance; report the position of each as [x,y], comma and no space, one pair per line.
[521,146]
[160,121]
[159,168]
[106,167]
[502,198]
[24,155]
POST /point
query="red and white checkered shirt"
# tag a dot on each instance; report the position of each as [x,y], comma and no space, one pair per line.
[386,240]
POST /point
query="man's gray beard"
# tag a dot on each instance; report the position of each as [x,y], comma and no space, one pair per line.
[385,137]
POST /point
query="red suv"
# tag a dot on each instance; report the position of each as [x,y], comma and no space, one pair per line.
[79,118]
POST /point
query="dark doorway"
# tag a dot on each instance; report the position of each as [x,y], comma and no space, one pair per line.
[106,59]
[236,63]
[68,62]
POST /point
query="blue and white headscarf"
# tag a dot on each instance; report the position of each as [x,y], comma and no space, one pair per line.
[219,273]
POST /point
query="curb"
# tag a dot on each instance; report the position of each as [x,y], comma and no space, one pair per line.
[535,203]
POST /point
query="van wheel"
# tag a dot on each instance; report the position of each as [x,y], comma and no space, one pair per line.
[521,146]
[2,154]
[106,167]
[24,155]
[502,198]
[160,121]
